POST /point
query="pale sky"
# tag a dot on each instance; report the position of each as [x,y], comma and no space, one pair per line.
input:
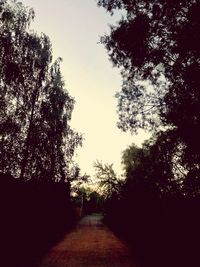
[74,28]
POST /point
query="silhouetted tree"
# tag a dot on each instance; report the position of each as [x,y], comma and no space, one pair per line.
[108,181]
[151,170]
[131,158]
[24,62]
[156,45]
[36,139]
[53,142]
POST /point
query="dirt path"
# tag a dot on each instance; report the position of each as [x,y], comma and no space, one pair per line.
[91,244]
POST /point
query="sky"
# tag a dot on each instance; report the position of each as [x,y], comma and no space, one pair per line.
[74,28]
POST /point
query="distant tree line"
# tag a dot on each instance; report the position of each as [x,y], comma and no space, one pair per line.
[156,44]
[88,201]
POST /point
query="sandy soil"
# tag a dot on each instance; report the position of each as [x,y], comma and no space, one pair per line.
[91,244]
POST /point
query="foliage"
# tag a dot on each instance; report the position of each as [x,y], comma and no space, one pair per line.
[131,158]
[78,180]
[88,200]
[36,139]
[150,170]
[156,45]
[153,212]
[107,179]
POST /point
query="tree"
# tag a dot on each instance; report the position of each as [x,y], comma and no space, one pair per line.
[53,142]
[152,169]
[24,61]
[40,68]
[131,158]
[36,139]
[156,45]
[107,179]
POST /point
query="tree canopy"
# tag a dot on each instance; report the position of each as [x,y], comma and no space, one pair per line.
[107,180]
[156,45]
[36,139]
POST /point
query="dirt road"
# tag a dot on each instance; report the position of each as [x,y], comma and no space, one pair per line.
[91,244]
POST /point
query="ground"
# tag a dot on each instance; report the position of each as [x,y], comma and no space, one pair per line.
[91,244]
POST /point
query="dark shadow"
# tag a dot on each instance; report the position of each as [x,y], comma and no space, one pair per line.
[34,216]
